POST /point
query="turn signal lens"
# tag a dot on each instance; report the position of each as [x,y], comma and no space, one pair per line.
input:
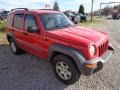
[91,65]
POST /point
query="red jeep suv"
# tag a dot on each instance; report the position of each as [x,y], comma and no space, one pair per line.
[50,35]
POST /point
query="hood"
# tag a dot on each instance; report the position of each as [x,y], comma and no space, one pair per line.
[79,35]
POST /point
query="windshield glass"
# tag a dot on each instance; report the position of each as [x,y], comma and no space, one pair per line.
[54,21]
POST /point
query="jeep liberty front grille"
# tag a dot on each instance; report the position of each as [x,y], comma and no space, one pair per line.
[102,48]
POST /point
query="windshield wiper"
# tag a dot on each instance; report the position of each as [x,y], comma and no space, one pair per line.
[55,27]
[68,25]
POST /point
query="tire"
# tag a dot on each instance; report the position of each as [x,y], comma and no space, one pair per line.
[14,48]
[75,22]
[69,74]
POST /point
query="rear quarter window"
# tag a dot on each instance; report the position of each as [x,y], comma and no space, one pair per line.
[10,19]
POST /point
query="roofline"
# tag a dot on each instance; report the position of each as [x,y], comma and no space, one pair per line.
[30,10]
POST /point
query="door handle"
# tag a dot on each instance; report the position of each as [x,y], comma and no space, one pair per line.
[25,33]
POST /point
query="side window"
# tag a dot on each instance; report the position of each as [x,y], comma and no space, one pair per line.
[30,22]
[18,21]
[10,20]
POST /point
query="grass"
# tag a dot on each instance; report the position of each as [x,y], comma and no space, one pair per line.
[95,22]
[2,26]
[3,39]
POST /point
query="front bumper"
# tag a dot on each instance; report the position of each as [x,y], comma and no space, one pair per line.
[99,61]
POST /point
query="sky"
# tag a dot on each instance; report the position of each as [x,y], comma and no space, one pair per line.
[63,4]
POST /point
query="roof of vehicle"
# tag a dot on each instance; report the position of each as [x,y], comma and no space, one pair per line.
[45,11]
[35,10]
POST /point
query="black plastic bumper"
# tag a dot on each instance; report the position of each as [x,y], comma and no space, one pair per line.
[99,61]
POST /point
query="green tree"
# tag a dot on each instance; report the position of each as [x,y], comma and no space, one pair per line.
[56,7]
[81,9]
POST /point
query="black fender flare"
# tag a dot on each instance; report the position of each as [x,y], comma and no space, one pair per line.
[76,55]
[10,35]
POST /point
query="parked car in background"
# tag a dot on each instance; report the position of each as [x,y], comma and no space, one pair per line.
[4,14]
[115,14]
[119,15]
[109,17]
[82,17]
[1,18]
[72,17]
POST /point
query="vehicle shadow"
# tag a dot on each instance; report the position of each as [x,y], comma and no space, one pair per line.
[26,72]
[2,46]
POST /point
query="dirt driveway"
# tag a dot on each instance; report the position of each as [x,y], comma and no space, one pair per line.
[27,72]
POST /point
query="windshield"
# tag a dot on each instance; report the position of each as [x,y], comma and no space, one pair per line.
[54,21]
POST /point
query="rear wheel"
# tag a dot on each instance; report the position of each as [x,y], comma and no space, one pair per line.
[65,69]
[13,46]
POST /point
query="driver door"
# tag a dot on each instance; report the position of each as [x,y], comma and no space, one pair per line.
[33,40]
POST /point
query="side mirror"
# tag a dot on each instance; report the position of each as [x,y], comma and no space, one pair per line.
[32,29]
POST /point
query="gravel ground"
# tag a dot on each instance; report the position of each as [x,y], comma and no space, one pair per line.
[27,72]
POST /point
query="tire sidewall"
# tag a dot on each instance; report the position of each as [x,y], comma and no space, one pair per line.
[17,49]
[75,74]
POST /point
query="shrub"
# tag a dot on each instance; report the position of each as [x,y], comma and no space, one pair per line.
[2,26]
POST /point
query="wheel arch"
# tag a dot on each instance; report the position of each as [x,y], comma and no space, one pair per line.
[76,56]
[10,36]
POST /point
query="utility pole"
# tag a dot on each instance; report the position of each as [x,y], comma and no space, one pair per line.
[100,9]
[92,10]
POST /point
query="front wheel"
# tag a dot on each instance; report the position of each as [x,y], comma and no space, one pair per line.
[65,69]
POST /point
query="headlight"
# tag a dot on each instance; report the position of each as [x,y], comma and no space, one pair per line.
[92,50]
